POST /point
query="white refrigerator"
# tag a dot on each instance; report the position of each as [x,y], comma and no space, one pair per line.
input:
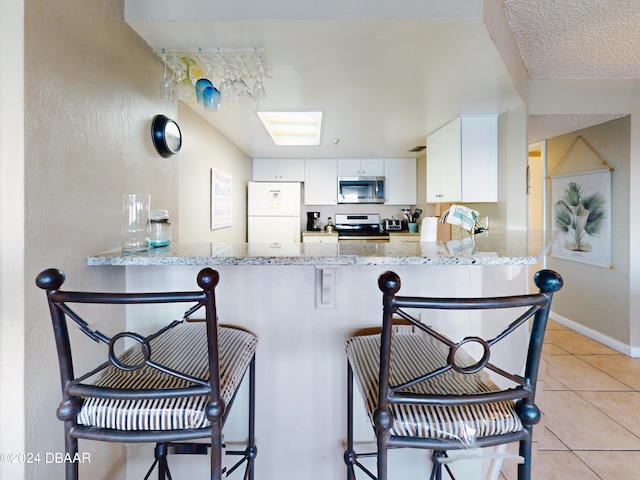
[273,211]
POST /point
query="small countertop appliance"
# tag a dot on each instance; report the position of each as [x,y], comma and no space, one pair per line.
[313,221]
[392,225]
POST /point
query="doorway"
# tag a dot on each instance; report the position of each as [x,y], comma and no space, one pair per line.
[536,173]
[536,195]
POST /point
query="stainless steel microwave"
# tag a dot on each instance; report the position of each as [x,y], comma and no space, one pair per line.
[361,189]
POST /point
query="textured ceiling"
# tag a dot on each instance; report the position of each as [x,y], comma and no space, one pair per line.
[575,39]
[542,127]
[387,77]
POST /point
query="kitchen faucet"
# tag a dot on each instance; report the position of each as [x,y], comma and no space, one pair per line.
[477,227]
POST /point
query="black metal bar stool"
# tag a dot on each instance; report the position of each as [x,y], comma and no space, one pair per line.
[424,390]
[170,387]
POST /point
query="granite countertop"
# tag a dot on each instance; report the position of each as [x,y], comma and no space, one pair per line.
[494,247]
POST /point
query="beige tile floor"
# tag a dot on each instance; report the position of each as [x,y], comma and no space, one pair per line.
[589,396]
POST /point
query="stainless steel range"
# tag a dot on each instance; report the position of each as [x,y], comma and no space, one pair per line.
[360,227]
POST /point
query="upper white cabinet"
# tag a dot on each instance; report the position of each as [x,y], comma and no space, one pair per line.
[443,170]
[462,161]
[278,170]
[400,181]
[320,182]
[354,167]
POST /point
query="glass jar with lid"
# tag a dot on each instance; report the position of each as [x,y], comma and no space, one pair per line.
[160,228]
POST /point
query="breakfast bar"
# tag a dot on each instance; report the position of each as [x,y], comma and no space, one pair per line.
[493,247]
[303,301]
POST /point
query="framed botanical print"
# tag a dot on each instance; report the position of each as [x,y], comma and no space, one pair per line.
[581,214]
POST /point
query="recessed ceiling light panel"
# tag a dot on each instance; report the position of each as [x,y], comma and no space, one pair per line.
[293,128]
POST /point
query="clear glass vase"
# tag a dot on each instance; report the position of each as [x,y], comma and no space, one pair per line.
[136,225]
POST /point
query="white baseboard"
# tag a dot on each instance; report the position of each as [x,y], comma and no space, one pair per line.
[595,335]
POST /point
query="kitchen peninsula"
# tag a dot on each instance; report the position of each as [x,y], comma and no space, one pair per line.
[493,247]
[303,301]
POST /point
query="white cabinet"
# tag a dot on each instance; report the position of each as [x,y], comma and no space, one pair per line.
[320,182]
[400,181]
[321,179]
[443,164]
[278,170]
[366,167]
[319,237]
[404,237]
[462,161]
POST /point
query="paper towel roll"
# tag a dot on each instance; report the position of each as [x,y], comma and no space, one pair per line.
[429,229]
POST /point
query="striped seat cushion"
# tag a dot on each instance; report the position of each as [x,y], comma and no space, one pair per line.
[183,348]
[415,354]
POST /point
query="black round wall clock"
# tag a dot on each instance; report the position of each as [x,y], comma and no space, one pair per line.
[166,136]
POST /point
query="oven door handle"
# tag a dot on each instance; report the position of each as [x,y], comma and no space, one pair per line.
[364,238]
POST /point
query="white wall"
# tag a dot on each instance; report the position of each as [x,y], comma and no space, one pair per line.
[205,148]
[92,91]
[495,18]
[201,10]
[511,209]
[12,399]
[595,297]
[604,97]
